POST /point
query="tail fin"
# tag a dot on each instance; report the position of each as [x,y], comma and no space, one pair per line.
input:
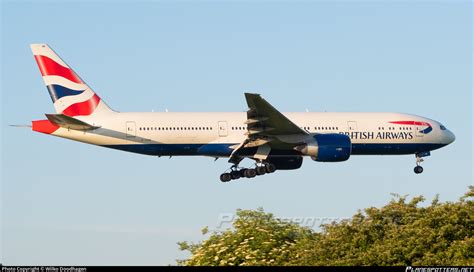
[70,94]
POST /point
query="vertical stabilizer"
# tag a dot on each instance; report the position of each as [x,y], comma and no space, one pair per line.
[70,94]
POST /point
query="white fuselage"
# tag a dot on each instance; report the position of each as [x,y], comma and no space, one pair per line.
[214,133]
[275,140]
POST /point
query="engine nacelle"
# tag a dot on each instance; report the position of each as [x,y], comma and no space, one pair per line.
[327,147]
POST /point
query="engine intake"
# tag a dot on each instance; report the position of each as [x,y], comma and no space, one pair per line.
[328,147]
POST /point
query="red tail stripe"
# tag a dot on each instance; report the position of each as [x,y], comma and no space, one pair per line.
[415,123]
[83,108]
[49,67]
[43,126]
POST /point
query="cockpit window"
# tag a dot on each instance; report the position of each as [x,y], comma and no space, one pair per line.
[442,127]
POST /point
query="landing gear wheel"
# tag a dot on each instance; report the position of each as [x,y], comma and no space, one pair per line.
[261,170]
[270,168]
[226,177]
[250,173]
[419,159]
[418,169]
[235,174]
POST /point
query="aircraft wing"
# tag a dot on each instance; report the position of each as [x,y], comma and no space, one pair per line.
[267,128]
[263,119]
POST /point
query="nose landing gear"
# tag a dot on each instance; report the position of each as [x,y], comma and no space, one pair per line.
[419,159]
[418,169]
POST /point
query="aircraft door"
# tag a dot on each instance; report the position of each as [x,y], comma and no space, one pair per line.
[130,129]
[222,127]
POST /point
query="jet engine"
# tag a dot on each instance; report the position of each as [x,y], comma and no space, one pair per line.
[327,147]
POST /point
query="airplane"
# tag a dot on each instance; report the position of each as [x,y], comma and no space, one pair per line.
[274,140]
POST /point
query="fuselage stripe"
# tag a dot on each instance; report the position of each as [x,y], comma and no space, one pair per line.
[413,123]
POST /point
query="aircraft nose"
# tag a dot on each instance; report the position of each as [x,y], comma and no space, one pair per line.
[450,137]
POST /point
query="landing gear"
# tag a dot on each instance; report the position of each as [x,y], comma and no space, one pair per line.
[419,159]
[418,169]
[250,173]
[259,170]
[235,174]
[270,168]
[226,177]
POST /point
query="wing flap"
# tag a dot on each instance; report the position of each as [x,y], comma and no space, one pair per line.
[264,119]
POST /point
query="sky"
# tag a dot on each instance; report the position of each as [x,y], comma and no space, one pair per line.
[66,203]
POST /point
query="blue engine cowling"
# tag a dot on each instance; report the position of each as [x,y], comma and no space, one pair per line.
[328,147]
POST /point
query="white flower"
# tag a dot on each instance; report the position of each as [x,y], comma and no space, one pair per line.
[222,250]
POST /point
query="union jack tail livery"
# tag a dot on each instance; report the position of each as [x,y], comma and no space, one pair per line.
[70,94]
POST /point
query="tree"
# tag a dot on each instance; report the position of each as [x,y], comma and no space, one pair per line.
[258,238]
[399,233]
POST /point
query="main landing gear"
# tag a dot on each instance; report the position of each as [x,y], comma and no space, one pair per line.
[236,172]
[419,159]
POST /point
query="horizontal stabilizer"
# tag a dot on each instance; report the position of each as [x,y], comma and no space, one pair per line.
[69,122]
[28,126]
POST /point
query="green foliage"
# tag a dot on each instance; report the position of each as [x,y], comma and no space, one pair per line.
[258,238]
[400,233]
